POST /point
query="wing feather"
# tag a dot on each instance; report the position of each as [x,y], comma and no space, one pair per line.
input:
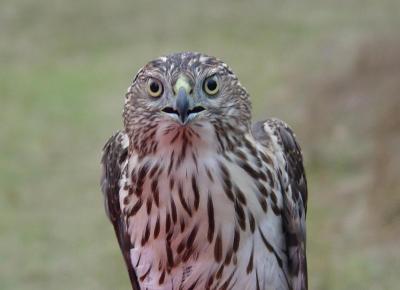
[274,133]
[115,154]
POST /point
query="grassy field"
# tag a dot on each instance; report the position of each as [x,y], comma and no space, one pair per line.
[329,68]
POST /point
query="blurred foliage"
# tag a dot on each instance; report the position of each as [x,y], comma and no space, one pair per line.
[329,68]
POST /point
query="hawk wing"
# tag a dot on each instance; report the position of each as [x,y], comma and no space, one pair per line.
[115,154]
[276,135]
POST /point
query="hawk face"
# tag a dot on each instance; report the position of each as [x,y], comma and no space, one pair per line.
[185,90]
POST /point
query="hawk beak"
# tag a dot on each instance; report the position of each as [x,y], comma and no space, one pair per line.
[184,108]
[182,104]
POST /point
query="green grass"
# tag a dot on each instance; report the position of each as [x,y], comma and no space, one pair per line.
[64,68]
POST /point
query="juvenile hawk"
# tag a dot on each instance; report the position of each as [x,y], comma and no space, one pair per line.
[198,196]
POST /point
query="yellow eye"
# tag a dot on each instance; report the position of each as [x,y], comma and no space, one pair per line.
[154,88]
[211,85]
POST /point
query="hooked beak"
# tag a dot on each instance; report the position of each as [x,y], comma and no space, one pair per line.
[182,104]
[183,108]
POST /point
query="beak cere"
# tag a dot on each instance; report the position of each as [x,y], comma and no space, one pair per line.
[182,104]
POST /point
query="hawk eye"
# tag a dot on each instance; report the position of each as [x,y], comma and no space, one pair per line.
[211,85]
[154,88]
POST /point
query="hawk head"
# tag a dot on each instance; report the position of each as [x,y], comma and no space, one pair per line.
[184,90]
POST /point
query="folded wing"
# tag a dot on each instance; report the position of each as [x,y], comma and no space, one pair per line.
[115,156]
[275,134]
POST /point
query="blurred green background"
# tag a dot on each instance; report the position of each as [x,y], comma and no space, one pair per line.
[331,69]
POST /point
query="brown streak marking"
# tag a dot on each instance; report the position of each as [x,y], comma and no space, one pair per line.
[265,158]
[270,248]
[155,191]
[209,174]
[143,172]
[195,161]
[210,281]
[219,272]
[227,181]
[170,257]
[183,201]
[263,203]
[246,167]
[228,191]
[182,154]
[194,284]
[273,198]
[241,216]
[157,227]
[228,281]
[219,139]
[241,155]
[240,195]
[171,183]
[175,137]
[277,211]
[162,277]
[236,240]
[262,189]
[167,223]
[228,257]
[250,146]
[180,247]
[146,234]
[196,192]
[145,274]
[183,225]
[171,162]
[271,179]
[262,176]
[136,207]
[218,248]
[187,255]
[250,264]
[154,170]
[173,211]
[149,204]
[138,261]
[192,237]
[154,148]
[211,221]
[252,221]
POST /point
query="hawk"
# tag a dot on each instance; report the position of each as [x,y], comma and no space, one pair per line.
[199,197]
